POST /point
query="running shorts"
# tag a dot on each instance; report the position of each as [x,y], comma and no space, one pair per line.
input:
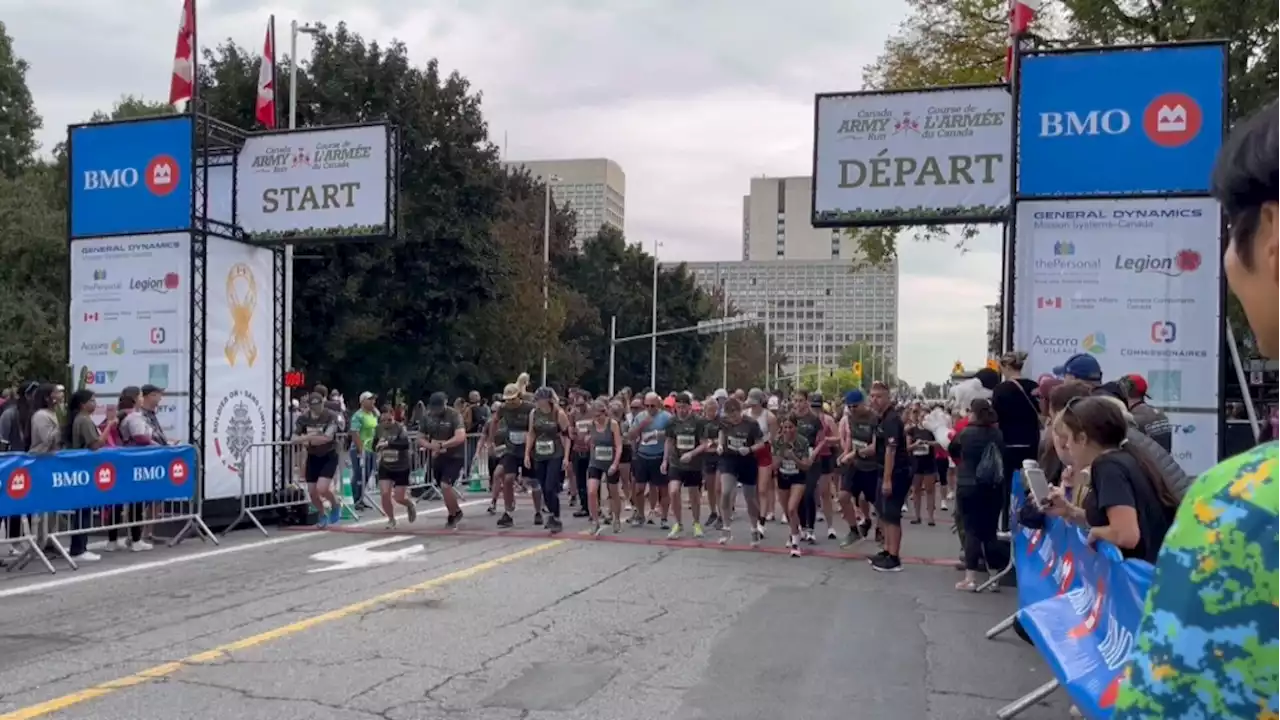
[321,467]
[889,507]
[398,478]
[647,470]
[626,455]
[513,465]
[924,464]
[690,478]
[860,483]
[826,464]
[446,470]
[786,480]
[764,456]
[743,468]
[595,473]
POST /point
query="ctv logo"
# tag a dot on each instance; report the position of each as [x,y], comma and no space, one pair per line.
[160,177]
[1164,332]
[1170,120]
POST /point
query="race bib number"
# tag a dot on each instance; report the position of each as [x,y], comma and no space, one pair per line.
[389,455]
[789,467]
[737,443]
[312,431]
[649,437]
[584,426]
[545,447]
[516,437]
[920,451]
[861,444]
[604,453]
[685,442]
[499,449]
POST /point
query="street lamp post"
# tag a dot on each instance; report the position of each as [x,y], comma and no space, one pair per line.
[294,29]
[546,264]
[653,346]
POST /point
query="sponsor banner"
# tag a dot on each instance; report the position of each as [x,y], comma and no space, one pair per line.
[221,181]
[911,157]
[1195,438]
[131,177]
[1120,121]
[1081,608]
[1133,282]
[130,322]
[82,479]
[314,183]
[239,378]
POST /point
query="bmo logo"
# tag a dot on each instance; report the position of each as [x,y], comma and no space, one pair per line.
[1090,124]
[160,177]
[74,478]
[104,477]
[18,484]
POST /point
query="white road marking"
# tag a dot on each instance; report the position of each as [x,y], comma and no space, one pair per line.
[353,557]
[80,576]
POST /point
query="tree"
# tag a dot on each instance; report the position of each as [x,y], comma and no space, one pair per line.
[19,120]
[875,366]
[33,278]
[933,391]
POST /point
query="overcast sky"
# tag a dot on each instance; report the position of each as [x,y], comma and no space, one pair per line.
[691,97]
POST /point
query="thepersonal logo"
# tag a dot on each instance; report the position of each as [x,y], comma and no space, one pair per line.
[160,176]
[1164,332]
[1064,248]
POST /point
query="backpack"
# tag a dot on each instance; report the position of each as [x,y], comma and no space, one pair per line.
[990,470]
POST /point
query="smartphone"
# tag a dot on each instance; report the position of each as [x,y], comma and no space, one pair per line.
[1037,482]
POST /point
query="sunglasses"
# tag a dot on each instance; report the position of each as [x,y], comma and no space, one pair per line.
[654,406]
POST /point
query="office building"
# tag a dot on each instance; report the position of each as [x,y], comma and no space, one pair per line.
[812,309]
[994,339]
[777,224]
[595,188]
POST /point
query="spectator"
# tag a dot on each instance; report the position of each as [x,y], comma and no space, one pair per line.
[977,451]
[45,433]
[126,407]
[15,421]
[1083,367]
[142,427]
[364,428]
[80,433]
[1013,402]
[1152,422]
[1170,470]
[1128,503]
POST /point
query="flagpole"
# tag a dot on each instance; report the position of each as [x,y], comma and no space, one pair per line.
[275,79]
[195,59]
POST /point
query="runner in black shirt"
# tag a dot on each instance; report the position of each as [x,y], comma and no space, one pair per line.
[892,455]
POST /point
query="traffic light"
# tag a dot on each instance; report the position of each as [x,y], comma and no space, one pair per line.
[958,368]
[857,369]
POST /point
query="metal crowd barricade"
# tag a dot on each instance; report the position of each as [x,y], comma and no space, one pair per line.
[272,479]
[45,532]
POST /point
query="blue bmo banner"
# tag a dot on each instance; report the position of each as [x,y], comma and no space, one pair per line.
[80,479]
[1120,121]
[131,177]
[1081,607]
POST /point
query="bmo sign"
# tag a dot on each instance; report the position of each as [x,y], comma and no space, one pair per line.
[1120,122]
[130,177]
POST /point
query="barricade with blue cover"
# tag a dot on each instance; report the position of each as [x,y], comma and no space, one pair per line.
[77,481]
[1080,605]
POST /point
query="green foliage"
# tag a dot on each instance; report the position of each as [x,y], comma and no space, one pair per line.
[18,118]
[933,391]
[875,366]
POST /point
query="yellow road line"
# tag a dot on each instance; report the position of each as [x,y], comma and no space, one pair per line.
[222,651]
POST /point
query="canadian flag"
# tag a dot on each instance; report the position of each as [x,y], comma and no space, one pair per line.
[1044,303]
[265,110]
[182,84]
[1021,14]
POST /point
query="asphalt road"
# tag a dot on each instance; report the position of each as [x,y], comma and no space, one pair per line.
[482,626]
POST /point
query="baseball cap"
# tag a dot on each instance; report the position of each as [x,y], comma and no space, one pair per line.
[437,400]
[1080,365]
[684,398]
[366,395]
[1137,386]
[853,397]
[669,402]
[721,394]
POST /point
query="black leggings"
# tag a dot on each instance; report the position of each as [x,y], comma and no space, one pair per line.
[809,503]
[117,517]
[549,474]
[980,508]
[580,465]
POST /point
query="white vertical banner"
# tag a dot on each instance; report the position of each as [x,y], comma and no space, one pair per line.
[1135,283]
[130,321]
[239,351]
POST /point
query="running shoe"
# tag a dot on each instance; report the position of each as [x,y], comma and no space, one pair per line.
[864,527]
[335,515]
[760,530]
[391,524]
[553,524]
[596,529]
[878,556]
[832,534]
[582,513]
[795,551]
[756,537]
[675,531]
[411,512]
[537,518]
[451,523]
[809,537]
[505,521]
[713,520]
[697,530]
[768,518]
[851,539]
[617,527]
[886,563]
[944,505]
[663,524]
[725,535]
[322,521]
[492,509]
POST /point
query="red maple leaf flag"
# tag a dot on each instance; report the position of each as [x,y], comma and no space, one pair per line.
[266,106]
[1021,14]
[182,83]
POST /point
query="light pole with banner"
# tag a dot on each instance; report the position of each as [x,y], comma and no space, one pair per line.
[653,330]
[705,327]
[546,262]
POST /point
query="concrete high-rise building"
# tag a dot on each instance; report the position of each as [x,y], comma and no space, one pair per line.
[994,338]
[777,224]
[803,282]
[595,188]
[812,309]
